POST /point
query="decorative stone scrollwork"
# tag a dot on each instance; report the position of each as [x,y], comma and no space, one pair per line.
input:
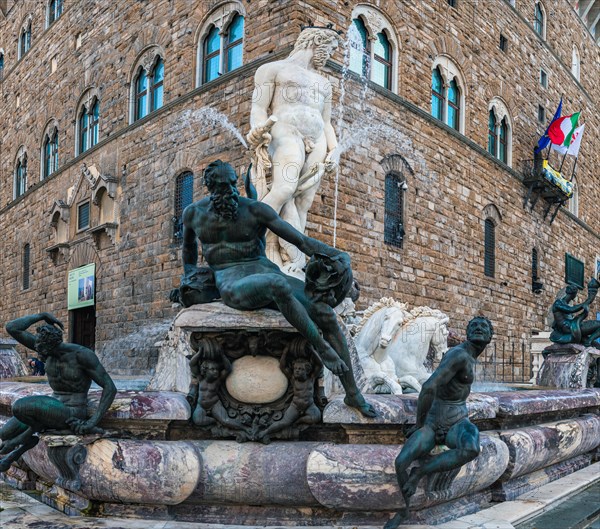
[67,455]
[278,399]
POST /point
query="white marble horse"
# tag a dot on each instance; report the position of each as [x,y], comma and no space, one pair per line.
[410,346]
[393,342]
[380,323]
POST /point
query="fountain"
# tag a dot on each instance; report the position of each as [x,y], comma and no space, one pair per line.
[234,428]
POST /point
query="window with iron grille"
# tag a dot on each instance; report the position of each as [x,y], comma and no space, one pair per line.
[26,265]
[541,114]
[574,270]
[452,3]
[184,196]
[83,216]
[393,232]
[489,265]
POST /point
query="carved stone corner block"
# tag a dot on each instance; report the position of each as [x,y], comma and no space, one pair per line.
[67,454]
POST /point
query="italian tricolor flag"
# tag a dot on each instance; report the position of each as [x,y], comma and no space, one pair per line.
[561,130]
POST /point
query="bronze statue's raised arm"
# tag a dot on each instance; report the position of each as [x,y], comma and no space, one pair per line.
[18,328]
[307,245]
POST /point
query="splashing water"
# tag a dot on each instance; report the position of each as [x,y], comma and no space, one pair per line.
[211,117]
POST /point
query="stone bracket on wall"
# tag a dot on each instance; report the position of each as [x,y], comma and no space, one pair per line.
[62,248]
[110,228]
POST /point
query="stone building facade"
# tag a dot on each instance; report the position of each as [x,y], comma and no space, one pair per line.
[83,53]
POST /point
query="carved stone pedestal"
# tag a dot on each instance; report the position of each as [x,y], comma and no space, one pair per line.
[569,366]
[254,376]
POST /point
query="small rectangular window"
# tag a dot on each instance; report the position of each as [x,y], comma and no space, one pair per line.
[26,266]
[452,3]
[574,270]
[543,78]
[541,114]
[83,216]
[503,43]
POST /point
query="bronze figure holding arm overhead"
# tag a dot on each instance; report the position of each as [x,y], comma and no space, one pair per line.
[442,417]
[569,325]
[70,368]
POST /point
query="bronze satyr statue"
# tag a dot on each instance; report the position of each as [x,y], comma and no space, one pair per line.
[232,231]
[442,417]
[70,368]
[569,325]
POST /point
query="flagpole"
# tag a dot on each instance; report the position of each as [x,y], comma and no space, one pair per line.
[574,166]
[563,161]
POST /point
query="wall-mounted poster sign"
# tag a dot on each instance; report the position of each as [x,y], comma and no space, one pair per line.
[81,290]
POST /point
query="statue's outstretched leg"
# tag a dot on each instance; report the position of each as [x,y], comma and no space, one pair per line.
[327,321]
[27,444]
[261,290]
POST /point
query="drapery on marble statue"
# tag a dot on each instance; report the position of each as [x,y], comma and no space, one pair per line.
[291,134]
[70,368]
[442,417]
[231,230]
[569,325]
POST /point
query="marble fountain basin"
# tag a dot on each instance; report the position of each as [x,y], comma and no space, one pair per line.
[152,462]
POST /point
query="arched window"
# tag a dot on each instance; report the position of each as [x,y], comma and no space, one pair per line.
[156,90]
[539,20]
[94,123]
[26,265]
[382,64]
[50,153]
[453,105]
[373,47]
[25,39]
[393,231]
[148,87]
[184,196]
[500,131]
[576,64]
[55,8]
[489,266]
[88,123]
[212,58]
[84,120]
[437,94]
[234,43]
[220,42]
[141,95]
[447,93]
[492,133]
[503,144]
[21,176]
[360,50]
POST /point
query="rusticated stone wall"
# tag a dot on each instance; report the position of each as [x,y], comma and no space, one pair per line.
[454,181]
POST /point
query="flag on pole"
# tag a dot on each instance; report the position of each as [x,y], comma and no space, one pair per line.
[561,130]
[544,141]
[573,149]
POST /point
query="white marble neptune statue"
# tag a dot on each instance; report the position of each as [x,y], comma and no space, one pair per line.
[292,136]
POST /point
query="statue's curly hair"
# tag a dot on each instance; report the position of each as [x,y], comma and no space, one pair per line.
[49,335]
[218,167]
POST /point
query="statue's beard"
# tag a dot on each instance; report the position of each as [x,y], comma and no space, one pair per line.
[225,205]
